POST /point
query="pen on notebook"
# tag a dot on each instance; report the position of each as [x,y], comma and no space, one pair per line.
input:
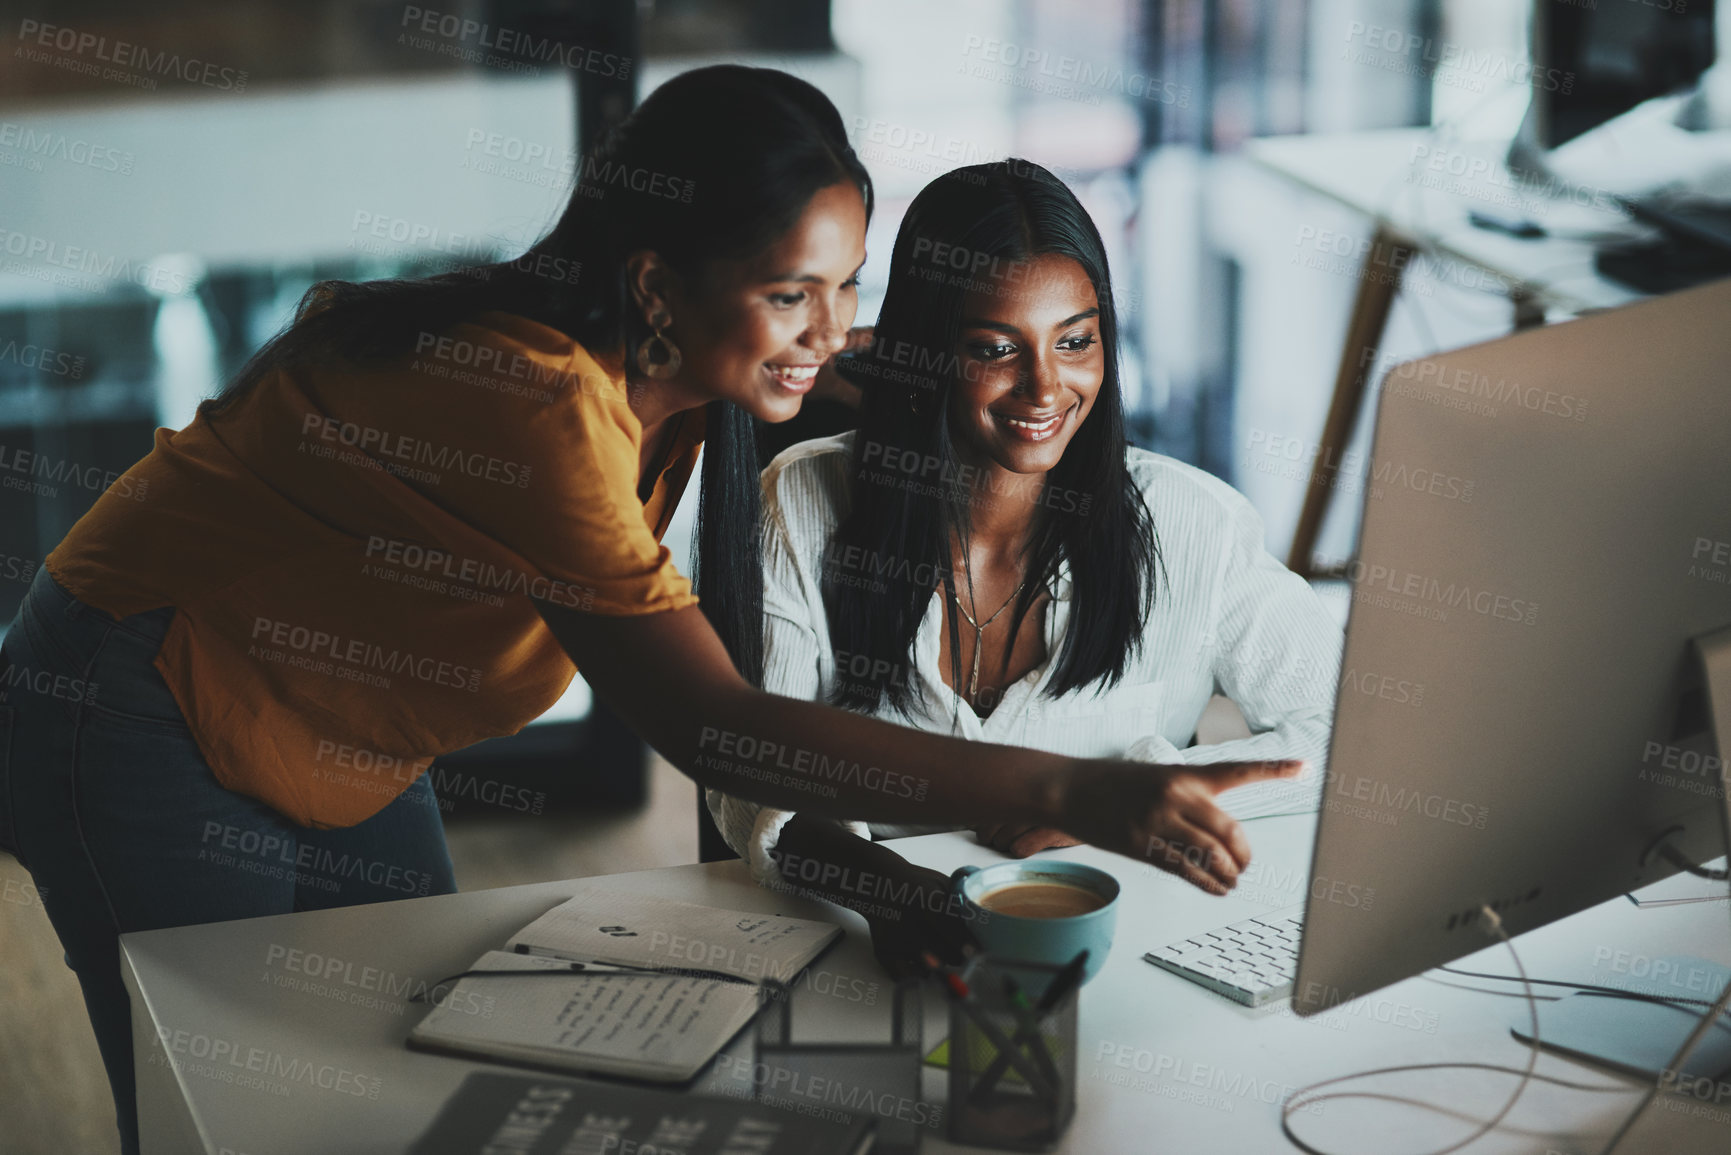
[586,970]
[689,972]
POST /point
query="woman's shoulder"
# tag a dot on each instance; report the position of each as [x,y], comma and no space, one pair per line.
[524,332]
[807,484]
[516,345]
[812,465]
[1167,484]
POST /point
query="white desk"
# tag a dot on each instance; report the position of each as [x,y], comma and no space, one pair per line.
[1389,175]
[1211,1073]
[1417,208]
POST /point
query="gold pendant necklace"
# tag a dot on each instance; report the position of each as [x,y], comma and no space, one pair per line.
[980,627]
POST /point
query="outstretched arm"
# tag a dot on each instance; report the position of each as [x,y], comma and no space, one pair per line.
[670,678]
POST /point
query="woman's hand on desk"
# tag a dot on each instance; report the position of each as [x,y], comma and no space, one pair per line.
[910,909]
[1019,840]
[930,920]
[1166,815]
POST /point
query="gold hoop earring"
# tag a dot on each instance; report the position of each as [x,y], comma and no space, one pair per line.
[669,357]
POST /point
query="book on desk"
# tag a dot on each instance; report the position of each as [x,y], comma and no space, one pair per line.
[635,987]
[495,1111]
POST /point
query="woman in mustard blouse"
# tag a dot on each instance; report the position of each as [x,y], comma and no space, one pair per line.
[419,510]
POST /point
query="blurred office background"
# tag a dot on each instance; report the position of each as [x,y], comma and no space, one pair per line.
[174,176]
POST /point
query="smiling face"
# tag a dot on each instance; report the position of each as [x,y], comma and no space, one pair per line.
[754,331]
[1032,362]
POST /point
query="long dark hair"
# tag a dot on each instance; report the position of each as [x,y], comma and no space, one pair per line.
[717,163]
[967,226]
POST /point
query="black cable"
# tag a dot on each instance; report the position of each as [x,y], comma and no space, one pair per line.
[1676,858]
[1612,992]
[1488,991]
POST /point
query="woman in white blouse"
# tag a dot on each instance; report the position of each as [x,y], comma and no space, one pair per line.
[987,557]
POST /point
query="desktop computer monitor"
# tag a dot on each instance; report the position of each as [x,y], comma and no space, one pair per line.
[1592,63]
[1547,531]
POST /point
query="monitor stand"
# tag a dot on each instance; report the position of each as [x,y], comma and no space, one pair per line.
[1712,658]
[1629,1035]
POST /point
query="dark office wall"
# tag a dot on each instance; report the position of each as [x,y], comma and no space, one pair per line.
[268,41]
[273,42]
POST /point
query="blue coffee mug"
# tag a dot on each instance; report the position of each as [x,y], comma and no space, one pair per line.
[1053,941]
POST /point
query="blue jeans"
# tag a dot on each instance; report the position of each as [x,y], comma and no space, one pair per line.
[107,802]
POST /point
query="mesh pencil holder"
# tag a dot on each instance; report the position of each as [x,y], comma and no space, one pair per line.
[1012,1057]
[843,1081]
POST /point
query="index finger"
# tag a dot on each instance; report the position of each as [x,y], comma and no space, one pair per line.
[1218,776]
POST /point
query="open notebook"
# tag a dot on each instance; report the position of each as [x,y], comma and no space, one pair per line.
[661,1022]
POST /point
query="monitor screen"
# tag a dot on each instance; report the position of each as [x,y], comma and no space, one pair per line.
[1611,57]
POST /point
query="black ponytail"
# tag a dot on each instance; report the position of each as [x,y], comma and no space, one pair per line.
[729,573]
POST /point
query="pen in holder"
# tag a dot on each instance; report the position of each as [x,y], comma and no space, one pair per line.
[1012,1055]
[843,1080]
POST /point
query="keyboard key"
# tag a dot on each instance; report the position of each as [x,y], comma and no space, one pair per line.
[1252,961]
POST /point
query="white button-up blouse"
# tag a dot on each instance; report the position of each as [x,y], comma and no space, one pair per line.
[1226,616]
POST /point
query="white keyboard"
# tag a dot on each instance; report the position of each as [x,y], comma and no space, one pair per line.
[1250,962]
